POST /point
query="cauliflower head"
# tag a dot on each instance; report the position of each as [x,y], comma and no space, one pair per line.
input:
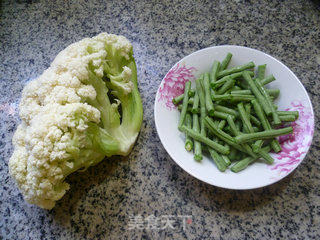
[84,107]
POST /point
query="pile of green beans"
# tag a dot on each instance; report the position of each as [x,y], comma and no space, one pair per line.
[231,115]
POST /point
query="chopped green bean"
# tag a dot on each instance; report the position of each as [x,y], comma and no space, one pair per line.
[235,69]
[232,97]
[226,110]
[189,109]
[284,113]
[226,160]
[214,71]
[257,93]
[247,137]
[191,93]
[218,160]
[197,145]
[221,124]
[245,118]
[287,118]
[267,80]
[242,164]
[264,93]
[265,124]
[208,100]
[188,142]
[257,146]
[221,115]
[225,62]
[195,106]
[221,81]
[197,136]
[178,99]
[261,71]
[184,104]
[226,86]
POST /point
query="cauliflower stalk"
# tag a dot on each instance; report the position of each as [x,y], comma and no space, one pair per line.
[84,107]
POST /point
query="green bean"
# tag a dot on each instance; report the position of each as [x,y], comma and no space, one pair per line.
[218,160]
[267,80]
[221,115]
[233,154]
[221,124]
[224,136]
[235,69]
[221,81]
[214,71]
[245,118]
[242,164]
[197,145]
[226,110]
[261,71]
[184,104]
[255,129]
[287,118]
[257,93]
[284,113]
[201,95]
[226,160]
[264,93]
[195,106]
[189,109]
[197,136]
[188,142]
[247,107]
[191,93]
[266,156]
[257,145]
[226,86]
[235,132]
[263,135]
[232,97]
[225,62]
[236,88]
[179,98]
[255,121]
[265,124]
[272,92]
[208,100]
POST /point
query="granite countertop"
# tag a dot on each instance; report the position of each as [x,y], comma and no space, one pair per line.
[105,202]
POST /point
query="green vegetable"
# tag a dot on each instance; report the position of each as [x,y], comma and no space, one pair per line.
[184,104]
[257,93]
[263,135]
[214,71]
[261,71]
[265,94]
[188,142]
[235,69]
[208,101]
[197,136]
[195,107]
[245,118]
[225,62]
[226,86]
[267,80]
[197,145]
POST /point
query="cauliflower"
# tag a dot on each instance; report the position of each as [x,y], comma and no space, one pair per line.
[71,116]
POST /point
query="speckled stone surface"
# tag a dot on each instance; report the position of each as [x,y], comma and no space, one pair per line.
[102,199]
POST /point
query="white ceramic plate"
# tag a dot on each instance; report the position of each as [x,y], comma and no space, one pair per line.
[293,96]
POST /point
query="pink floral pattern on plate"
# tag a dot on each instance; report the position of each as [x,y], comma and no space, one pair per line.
[295,145]
[173,84]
